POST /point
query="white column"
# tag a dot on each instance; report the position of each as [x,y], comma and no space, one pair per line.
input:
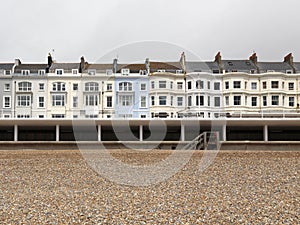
[99,132]
[224,132]
[182,129]
[16,131]
[266,137]
[57,133]
[141,133]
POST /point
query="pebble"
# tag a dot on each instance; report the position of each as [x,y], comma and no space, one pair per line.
[58,187]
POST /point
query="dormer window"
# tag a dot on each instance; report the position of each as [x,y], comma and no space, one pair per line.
[270,71]
[41,72]
[143,72]
[25,72]
[161,71]
[230,63]
[248,63]
[7,72]
[109,72]
[252,71]
[59,72]
[289,72]
[178,71]
[91,72]
[125,71]
[75,71]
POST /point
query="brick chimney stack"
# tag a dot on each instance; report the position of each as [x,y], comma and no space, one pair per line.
[289,59]
[218,59]
[253,58]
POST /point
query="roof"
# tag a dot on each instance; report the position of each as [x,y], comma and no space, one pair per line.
[65,66]
[167,66]
[201,67]
[276,66]
[99,67]
[238,66]
[297,67]
[134,68]
[34,68]
[6,66]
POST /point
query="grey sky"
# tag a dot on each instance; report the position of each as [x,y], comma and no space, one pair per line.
[31,28]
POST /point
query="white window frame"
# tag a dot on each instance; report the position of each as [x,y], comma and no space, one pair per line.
[162,100]
[125,86]
[24,86]
[41,104]
[143,101]
[4,102]
[143,87]
[23,100]
[75,101]
[58,102]
[109,87]
[179,100]
[58,86]
[125,100]
[41,72]
[59,72]
[109,101]
[7,87]
[25,72]
[162,84]
[42,85]
[91,100]
[74,71]
[91,87]
[125,71]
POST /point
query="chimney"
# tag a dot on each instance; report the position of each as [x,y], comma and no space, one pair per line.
[147,64]
[115,65]
[182,61]
[17,62]
[253,58]
[50,61]
[289,59]
[218,59]
[82,64]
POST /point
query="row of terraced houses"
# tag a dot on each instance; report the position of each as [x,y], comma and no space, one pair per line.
[149,90]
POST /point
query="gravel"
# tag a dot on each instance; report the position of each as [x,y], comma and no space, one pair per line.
[58,187]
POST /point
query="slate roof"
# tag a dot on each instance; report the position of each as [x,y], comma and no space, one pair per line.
[167,66]
[67,67]
[34,68]
[100,68]
[6,66]
[208,67]
[238,66]
[276,66]
[297,67]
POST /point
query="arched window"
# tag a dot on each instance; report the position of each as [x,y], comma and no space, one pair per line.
[59,86]
[125,86]
[25,86]
[91,86]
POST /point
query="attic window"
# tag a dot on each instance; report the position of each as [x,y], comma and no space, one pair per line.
[248,63]
[41,72]
[230,63]
[216,71]
[7,72]
[178,71]
[252,71]
[289,71]
[91,72]
[234,71]
[75,71]
[161,71]
[59,72]
[25,72]
[143,72]
[109,72]
[125,71]
[270,71]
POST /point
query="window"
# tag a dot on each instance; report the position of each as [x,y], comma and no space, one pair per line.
[143,72]
[171,101]
[59,72]
[25,86]
[75,71]
[199,100]
[91,100]
[236,84]
[75,87]
[143,101]
[208,100]
[291,101]
[264,84]
[7,72]
[189,100]
[6,102]
[208,85]
[6,87]
[41,72]
[274,84]
[189,85]
[152,100]
[125,100]
[179,101]
[162,84]
[246,100]
[264,100]
[41,86]
[58,100]
[143,87]
[275,100]
[289,71]
[254,86]
[125,71]
[125,86]
[109,87]
[59,86]
[283,102]
[162,100]
[236,100]
[92,72]
[254,101]
[25,72]
[108,72]
[143,116]
[217,102]
[75,101]
[291,86]
[179,85]
[216,85]
[227,100]
[171,85]
[41,102]
[23,116]
[91,86]
[178,71]
[109,101]
[58,116]
[152,84]
[199,84]
[282,85]
[23,100]
[246,84]
[227,85]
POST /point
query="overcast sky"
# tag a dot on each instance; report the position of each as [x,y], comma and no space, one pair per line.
[93,28]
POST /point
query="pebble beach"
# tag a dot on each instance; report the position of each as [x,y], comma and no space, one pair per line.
[58,187]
